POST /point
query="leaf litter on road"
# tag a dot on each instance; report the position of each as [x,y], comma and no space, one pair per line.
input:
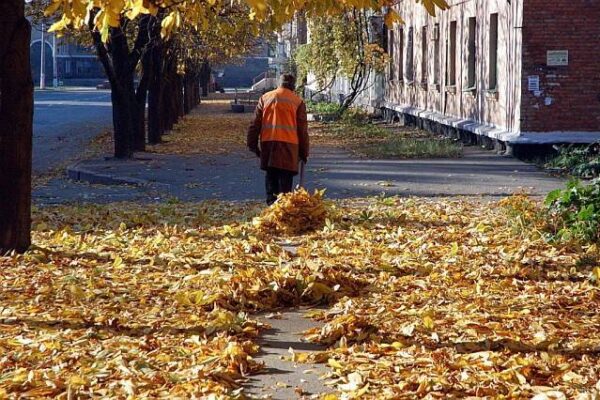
[427,299]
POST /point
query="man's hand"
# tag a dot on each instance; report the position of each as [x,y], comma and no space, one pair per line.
[255,150]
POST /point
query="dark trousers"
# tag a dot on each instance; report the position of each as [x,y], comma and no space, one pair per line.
[278,181]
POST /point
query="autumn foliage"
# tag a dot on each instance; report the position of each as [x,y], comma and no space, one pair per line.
[294,213]
[430,298]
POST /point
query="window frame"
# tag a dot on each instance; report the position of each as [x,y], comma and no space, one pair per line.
[472,54]
[451,54]
[493,53]
[410,56]
[424,64]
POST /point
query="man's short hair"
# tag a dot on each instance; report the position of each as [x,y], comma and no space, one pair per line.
[288,81]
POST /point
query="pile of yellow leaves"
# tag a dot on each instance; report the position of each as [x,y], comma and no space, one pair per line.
[429,298]
[294,213]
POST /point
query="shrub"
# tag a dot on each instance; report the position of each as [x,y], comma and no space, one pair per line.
[577,160]
[322,107]
[575,211]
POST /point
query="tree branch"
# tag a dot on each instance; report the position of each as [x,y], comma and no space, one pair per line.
[101,50]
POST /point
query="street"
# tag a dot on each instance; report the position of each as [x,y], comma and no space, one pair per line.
[64,122]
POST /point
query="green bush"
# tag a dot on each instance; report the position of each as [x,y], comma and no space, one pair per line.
[575,211]
[577,160]
[322,107]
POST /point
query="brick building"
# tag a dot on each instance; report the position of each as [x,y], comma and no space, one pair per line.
[519,71]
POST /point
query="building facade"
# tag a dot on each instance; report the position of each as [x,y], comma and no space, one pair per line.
[519,71]
[66,61]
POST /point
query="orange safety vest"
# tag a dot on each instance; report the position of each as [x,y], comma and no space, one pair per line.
[279,122]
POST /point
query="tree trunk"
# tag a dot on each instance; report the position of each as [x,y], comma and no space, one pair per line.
[205,78]
[122,122]
[197,90]
[141,95]
[155,92]
[167,94]
[187,99]
[147,35]
[119,62]
[16,121]
[172,97]
[180,111]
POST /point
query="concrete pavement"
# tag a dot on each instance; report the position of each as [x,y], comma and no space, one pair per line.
[237,177]
[283,379]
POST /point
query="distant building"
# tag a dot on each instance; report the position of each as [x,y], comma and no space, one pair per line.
[75,64]
[260,71]
[249,70]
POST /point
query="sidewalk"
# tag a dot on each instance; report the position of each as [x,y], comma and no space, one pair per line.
[236,176]
[204,158]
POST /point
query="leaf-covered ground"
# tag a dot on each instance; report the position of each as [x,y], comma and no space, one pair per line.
[427,298]
[227,131]
[227,134]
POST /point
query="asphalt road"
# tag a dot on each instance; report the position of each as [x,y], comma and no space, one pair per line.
[64,121]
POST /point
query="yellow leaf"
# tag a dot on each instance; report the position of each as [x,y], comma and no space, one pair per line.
[428,322]
[77,381]
[118,262]
[398,345]
[392,17]
[52,8]
[335,364]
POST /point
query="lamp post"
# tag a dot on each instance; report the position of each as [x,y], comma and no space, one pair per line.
[54,63]
[43,59]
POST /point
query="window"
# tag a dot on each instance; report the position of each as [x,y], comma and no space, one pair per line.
[451,67]
[410,67]
[471,74]
[401,55]
[391,54]
[493,83]
[436,54]
[424,55]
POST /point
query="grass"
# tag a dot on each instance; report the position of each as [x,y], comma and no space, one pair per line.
[414,148]
[376,140]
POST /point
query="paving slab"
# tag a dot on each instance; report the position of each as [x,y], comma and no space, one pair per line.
[283,379]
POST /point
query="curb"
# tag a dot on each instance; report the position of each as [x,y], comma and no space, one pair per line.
[77,173]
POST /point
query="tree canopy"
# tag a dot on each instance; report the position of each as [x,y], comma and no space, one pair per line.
[201,13]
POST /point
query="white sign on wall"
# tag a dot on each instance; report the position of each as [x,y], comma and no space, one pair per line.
[557,58]
[533,83]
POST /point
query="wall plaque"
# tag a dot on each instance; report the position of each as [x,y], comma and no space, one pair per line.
[557,58]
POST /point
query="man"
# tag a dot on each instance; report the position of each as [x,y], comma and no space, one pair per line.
[281,127]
